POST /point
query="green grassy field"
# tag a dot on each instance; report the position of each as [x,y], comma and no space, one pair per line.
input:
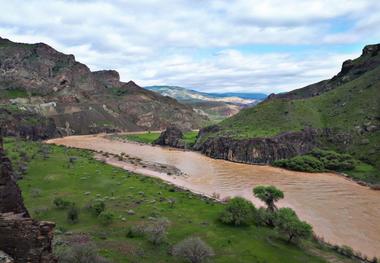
[88,180]
[149,137]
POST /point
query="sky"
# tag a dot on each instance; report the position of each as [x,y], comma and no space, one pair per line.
[207,45]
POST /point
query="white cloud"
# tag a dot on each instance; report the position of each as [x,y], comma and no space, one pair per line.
[160,41]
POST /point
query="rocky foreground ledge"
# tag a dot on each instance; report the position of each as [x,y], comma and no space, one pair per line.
[22,238]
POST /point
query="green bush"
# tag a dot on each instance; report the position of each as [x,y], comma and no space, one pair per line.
[73,214]
[334,161]
[287,223]
[98,207]
[301,163]
[239,211]
[106,218]
[61,203]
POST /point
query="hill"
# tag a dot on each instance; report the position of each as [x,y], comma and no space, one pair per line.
[216,106]
[39,83]
[340,114]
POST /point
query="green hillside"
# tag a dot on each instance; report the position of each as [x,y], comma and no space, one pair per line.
[348,104]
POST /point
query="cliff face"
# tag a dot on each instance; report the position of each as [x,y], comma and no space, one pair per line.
[21,237]
[267,150]
[37,79]
[172,136]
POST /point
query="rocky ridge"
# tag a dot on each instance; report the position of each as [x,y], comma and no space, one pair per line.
[36,79]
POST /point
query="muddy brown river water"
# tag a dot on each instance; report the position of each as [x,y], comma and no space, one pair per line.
[341,211]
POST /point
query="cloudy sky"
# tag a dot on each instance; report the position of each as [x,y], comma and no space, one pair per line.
[225,45]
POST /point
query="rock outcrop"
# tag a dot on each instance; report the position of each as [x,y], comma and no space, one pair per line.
[172,136]
[10,194]
[25,239]
[266,150]
[21,237]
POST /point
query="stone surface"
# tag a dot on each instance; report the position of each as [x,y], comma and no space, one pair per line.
[4,258]
[172,136]
[25,239]
[267,150]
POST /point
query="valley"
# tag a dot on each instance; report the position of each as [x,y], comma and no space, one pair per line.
[337,208]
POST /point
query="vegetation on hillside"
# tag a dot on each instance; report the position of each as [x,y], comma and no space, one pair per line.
[144,224]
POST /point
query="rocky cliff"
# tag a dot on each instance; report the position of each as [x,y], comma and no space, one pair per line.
[21,237]
[36,79]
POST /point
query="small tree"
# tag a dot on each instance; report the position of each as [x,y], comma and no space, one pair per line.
[193,250]
[156,231]
[73,214]
[269,195]
[98,207]
[287,222]
[239,211]
[79,253]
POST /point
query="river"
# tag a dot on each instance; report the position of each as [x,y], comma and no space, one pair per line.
[341,211]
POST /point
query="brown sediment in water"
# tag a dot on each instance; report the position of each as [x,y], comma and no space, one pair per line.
[340,210]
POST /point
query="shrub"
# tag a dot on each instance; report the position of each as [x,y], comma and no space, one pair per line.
[106,218]
[156,231]
[35,192]
[193,250]
[73,214]
[98,207]
[238,211]
[60,203]
[263,217]
[79,253]
[301,163]
[287,223]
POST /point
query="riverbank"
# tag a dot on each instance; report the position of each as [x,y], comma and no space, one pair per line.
[355,175]
[136,200]
[337,208]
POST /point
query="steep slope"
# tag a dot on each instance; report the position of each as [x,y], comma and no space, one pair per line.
[217,106]
[342,113]
[36,79]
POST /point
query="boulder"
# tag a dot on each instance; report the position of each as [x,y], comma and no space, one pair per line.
[172,136]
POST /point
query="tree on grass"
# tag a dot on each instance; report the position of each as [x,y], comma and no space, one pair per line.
[239,211]
[269,195]
[193,250]
[73,214]
[287,223]
[156,231]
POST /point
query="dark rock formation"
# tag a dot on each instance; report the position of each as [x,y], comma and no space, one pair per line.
[172,136]
[25,239]
[266,150]
[4,258]
[21,237]
[10,194]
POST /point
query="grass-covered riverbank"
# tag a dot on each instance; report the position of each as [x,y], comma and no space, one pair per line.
[74,176]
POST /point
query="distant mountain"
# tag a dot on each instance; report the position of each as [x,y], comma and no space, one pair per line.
[43,91]
[216,106]
[340,114]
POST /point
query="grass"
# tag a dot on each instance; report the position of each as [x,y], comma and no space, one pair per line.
[13,93]
[149,137]
[192,215]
